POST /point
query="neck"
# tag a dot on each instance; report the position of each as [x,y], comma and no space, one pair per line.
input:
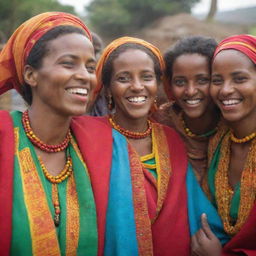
[50,127]
[242,128]
[202,124]
[134,125]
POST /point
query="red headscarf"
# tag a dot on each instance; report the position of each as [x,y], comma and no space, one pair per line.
[114,45]
[14,54]
[243,43]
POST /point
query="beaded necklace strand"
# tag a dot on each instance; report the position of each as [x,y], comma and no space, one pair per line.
[223,192]
[40,144]
[65,173]
[244,139]
[130,134]
[193,135]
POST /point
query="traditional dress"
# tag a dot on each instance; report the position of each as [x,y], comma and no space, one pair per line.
[26,196]
[147,204]
[237,208]
[147,208]
[171,115]
[65,239]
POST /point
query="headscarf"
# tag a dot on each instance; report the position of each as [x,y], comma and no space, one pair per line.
[243,43]
[114,45]
[15,52]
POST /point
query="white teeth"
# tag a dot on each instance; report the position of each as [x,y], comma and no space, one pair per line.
[80,91]
[139,99]
[230,102]
[192,102]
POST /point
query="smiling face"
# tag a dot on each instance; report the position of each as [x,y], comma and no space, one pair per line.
[133,85]
[63,81]
[233,86]
[190,84]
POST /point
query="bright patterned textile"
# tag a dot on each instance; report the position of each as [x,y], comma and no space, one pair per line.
[33,209]
[151,212]
[243,43]
[99,169]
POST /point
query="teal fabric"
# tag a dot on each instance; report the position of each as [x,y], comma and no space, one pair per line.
[120,221]
[198,204]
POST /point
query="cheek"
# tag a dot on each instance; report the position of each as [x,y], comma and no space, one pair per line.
[214,90]
[177,92]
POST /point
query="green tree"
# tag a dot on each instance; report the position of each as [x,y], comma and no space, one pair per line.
[118,17]
[14,12]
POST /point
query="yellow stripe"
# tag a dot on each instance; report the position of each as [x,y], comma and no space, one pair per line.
[238,43]
[42,229]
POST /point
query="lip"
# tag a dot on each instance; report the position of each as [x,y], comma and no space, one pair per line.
[230,104]
[191,103]
[136,99]
[74,93]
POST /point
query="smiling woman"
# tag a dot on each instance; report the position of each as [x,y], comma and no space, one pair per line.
[47,203]
[147,182]
[230,182]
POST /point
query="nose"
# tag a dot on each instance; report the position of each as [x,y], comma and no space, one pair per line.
[227,88]
[137,85]
[191,90]
[82,74]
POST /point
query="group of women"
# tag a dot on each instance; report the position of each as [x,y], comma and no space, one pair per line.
[124,184]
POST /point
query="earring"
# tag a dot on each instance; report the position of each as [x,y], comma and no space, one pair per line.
[110,103]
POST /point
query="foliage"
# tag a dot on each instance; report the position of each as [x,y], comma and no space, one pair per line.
[118,17]
[14,12]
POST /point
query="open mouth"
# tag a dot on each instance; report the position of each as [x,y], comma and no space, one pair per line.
[230,102]
[193,102]
[137,99]
[78,91]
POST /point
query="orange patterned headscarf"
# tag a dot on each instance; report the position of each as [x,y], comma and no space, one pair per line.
[14,54]
[243,43]
[114,45]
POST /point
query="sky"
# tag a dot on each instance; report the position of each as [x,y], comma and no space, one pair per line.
[200,8]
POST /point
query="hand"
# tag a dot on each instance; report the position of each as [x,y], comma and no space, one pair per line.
[204,242]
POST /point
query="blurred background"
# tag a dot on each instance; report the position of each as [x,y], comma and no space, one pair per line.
[161,22]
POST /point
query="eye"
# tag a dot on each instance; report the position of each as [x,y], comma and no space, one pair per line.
[203,80]
[217,81]
[67,64]
[91,68]
[179,82]
[123,79]
[148,77]
[240,79]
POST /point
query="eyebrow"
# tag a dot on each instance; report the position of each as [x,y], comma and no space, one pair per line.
[76,57]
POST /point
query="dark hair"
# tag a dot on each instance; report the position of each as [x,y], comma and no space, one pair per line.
[107,69]
[204,46]
[40,50]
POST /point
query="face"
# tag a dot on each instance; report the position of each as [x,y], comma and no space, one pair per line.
[133,85]
[63,82]
[233,86]
[190,84]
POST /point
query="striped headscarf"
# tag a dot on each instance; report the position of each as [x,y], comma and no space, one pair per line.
[243,43]
[15,52]
[113,46]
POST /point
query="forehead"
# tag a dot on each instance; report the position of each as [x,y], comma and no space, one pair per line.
[133,57]
[232,59]
[72,42]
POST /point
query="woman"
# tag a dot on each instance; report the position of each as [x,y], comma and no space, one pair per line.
[147,197]
[231,177]
[192,112]
[46,199]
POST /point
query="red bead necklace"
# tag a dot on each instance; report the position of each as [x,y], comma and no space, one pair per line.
[40,144]
[130,134]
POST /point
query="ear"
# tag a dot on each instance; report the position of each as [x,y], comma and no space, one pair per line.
[30,76]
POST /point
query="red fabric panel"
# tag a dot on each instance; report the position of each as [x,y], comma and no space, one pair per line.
[6,181]
[94,138]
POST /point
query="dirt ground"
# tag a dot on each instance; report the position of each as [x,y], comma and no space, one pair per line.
[167,30]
